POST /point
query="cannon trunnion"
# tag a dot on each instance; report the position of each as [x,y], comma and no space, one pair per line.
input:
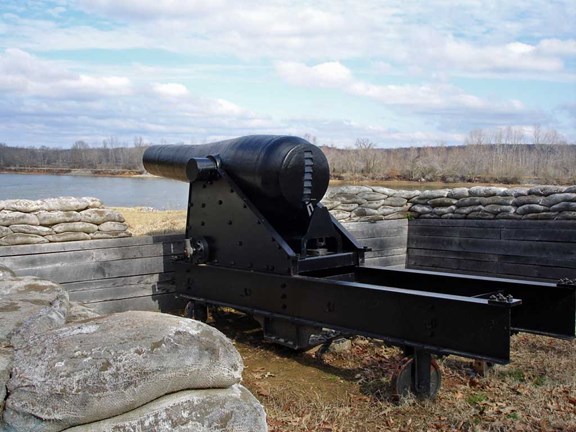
[258,240]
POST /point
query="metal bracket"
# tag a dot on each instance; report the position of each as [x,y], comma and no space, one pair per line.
[566,282]
[500,298]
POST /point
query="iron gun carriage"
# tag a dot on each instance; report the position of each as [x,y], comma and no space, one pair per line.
[259,240]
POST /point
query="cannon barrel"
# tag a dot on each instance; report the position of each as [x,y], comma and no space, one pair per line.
[267,167]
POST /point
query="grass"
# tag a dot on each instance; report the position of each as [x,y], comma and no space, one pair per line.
[148,221]
[300,392]
[350,391]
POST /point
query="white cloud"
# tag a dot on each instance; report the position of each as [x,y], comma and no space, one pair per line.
[557,47]
[45,103]
[152,9]
[23,73]
[418,98]
[472,37]
[331,74]
[170,90]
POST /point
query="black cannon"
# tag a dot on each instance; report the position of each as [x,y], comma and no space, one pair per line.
[259,240]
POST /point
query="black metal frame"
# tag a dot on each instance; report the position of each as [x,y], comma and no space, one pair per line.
[302,272]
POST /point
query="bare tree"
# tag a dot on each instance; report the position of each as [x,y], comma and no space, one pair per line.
[476,137]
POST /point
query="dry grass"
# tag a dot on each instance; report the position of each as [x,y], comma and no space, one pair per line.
[148,221]
[351,391]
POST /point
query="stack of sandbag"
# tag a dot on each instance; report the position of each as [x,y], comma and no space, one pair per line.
[63,367]
[58,220]
[375,203]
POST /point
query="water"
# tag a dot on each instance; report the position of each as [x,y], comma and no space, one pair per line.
[158,193]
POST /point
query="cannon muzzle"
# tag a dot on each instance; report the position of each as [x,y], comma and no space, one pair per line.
[273,168]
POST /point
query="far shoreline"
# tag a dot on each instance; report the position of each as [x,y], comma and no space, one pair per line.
[82,172]
[334,182]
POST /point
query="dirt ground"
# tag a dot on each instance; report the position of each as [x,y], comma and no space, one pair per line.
[351,390]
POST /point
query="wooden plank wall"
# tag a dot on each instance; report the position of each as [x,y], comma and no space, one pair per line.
[109,275]
[387,239]
[537,250]
[136,273]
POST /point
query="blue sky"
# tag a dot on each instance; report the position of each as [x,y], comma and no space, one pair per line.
[399,73]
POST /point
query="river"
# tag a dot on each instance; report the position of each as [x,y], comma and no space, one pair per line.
[159,193]
[153,192]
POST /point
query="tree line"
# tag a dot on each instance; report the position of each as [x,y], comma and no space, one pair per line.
[110,156]
[504,156]
[501,163]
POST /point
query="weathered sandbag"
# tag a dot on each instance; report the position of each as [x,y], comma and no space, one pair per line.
[569,215]
[80,312]
[56,217]
[485,191]
[66,203]
[8,218]
[4,231]
[22,299]
[23,205]
[84,227]
[6,273]
[68,236]
[42,321]
[100,368]
[93,202]
[216,410]
[100,215]
[31,229]
[19,239]
[6,356]
[113,226]
[99,235]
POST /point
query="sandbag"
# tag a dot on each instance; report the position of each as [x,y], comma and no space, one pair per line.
[68,236]
[32,303]
[113,226]
[93,202]
[80,312]
[6,273]
[99,215]
[8,218]
[84,227]
[20,239]
[31,229]
[23,205]
[107,366]
[56,217]
[217,410]
[6,355]
[4,231]
[66,203]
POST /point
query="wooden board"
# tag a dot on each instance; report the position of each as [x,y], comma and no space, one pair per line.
[397,261]
[386,239]
[45,248]
[541,250]
[366,230]
[118,274]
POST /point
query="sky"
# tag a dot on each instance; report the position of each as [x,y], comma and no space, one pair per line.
[398,73]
